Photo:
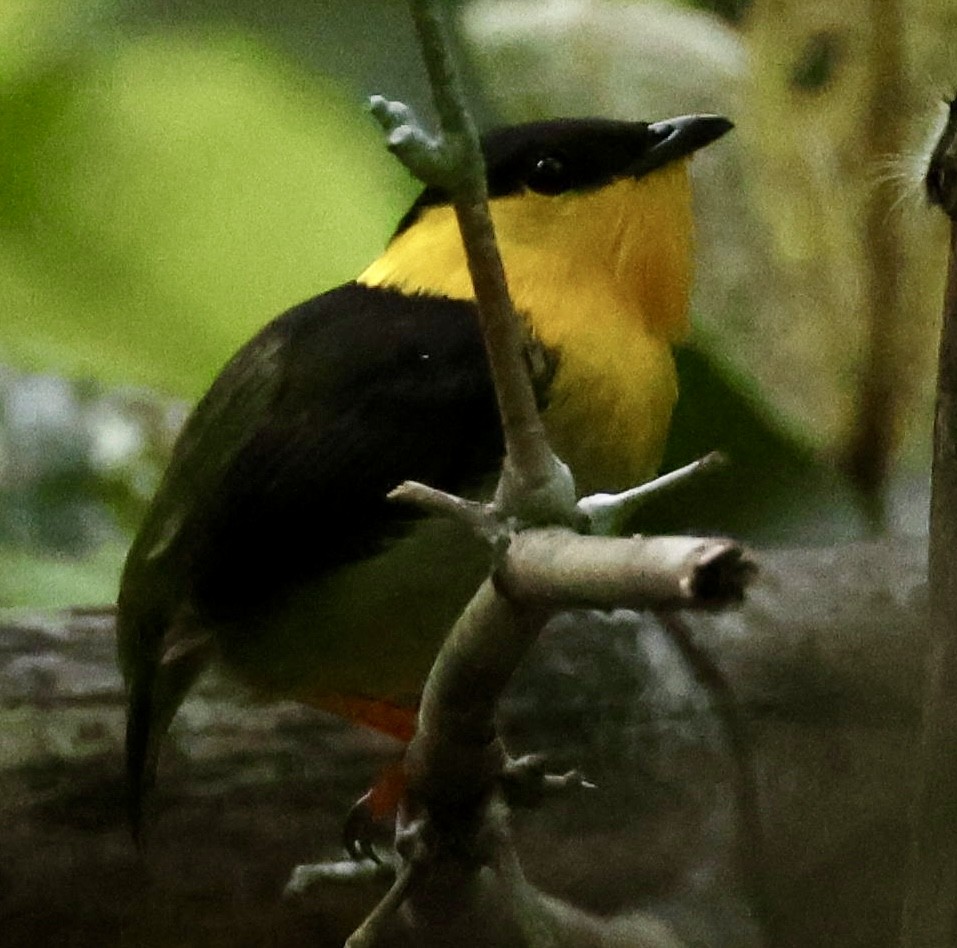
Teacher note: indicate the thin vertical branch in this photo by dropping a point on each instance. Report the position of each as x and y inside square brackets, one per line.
[930, 899]
[880, 383]
[529, 458]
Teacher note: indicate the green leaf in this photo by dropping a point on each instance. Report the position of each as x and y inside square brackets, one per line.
[158, 203]
[773, 490]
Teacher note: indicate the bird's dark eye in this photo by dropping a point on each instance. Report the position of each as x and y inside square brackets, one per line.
[550, 175]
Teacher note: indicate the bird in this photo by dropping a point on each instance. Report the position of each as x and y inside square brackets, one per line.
[270, 546]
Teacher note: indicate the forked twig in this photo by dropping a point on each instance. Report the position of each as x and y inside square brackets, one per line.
[455, 763]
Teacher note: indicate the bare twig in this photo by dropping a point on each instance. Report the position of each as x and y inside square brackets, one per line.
[930, 904]
[482, 518]
[526, 781]
[881, 379]
[455, 747]
[606, 513]
[535, 485]
[339, 871]
[370, 931]
[554, 567]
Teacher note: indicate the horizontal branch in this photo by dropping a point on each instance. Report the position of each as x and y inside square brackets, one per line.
[542, 571]
[555, 567]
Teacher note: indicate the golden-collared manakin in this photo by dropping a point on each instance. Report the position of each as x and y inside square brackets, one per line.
[270, 544]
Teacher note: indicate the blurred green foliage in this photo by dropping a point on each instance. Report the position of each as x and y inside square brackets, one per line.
[732, 10]
[159, 201]
[162, 194]
[175, 172]
[773, 489]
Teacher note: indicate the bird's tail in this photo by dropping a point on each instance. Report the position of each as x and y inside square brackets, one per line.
[141, 751]
[160, 665]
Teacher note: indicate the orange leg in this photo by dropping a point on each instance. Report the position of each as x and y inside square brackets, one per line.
[395, 720]
[382, 800]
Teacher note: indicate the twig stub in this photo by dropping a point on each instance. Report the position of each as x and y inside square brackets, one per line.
[555, 568]
[607, 513]
[721, 574]
[432, 160]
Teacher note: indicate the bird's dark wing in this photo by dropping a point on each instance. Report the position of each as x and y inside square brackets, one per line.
[282, 471]
[283, 468]
[377, 388]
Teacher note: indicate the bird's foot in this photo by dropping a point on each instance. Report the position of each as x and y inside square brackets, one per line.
[360, 831]
[372, 816]
[370, 820]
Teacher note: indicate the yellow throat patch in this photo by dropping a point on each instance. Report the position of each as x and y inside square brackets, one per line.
[603, 278]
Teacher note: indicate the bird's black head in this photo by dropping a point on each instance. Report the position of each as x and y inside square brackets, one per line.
[560, 155]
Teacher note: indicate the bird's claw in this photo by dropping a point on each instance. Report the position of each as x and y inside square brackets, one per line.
[359, 829]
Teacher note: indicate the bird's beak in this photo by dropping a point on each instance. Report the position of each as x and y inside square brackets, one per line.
[677, 137]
